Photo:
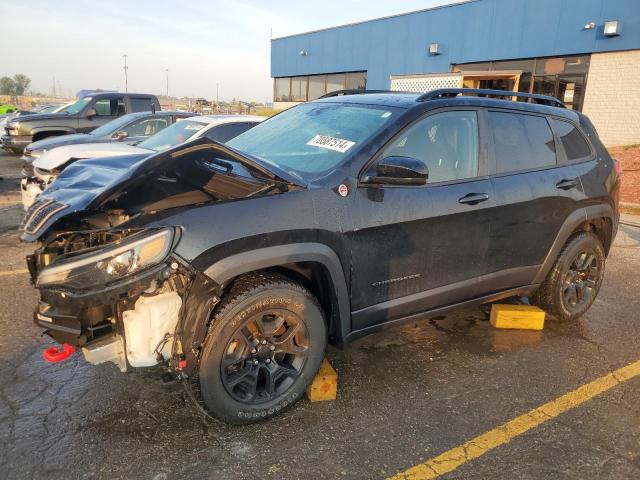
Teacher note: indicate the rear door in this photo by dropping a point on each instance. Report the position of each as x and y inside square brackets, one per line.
[418, 247]
[534, 194]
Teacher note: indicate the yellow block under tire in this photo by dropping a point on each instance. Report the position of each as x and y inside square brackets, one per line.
[550, 296]
[250, 296]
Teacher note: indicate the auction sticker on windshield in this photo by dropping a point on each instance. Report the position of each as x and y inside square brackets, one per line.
[331, 143]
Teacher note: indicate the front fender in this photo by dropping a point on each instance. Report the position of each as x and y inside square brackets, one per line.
[224, 270]
[207, 287]
[61, 130]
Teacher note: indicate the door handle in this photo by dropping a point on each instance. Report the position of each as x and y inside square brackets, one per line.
[566, 184]
[473, 198]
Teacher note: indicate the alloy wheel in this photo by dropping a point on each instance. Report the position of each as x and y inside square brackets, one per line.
[580, 281]
[265, 356]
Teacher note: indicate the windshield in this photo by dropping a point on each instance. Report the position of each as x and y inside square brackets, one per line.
[62, 108]
[48, 109]
[78, 106]
[113, 126]
[313, 138]
[179, 132]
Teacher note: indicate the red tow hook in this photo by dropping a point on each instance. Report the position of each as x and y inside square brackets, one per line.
[54, 355]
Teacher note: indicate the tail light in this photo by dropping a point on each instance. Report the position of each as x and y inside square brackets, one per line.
[617, 166]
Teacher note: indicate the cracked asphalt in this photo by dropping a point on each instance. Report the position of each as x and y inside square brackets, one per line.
[405, 395]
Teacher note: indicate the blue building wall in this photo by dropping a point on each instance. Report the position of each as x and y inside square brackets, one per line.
[478, 30]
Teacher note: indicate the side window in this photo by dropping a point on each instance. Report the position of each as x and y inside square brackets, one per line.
[141, 104]
[109, 107]
[522, 142]
[574, 144]
[146, 127]
[447, 142]
[224, 133]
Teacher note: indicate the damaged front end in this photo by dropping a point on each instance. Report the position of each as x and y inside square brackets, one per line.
[109, 278]
[116, 294]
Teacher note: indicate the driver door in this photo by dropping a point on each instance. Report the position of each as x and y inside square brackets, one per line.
[420, 247]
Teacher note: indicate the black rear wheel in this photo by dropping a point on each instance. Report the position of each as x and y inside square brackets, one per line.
[575, 279]
[265, 344]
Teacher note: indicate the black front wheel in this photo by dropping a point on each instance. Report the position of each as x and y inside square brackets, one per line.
[265, 344]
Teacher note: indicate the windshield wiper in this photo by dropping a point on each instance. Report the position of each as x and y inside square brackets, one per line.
[266, 169]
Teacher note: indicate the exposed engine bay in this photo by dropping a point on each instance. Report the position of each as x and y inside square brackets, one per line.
[109, 280]
[130, 322]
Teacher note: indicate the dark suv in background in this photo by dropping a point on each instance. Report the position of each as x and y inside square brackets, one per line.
[236, 263]
[85, 115]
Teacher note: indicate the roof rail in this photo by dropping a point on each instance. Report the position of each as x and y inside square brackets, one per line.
[481, 92]
[339, 93]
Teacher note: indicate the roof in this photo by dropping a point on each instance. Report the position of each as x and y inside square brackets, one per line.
[410, 100]
[403, 100]
[220, 119]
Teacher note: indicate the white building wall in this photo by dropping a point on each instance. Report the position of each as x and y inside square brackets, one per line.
[612, 98]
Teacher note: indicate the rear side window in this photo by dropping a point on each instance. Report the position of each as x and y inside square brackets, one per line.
[141, 104]
[522, 142]
[109, 107]
[574, 144]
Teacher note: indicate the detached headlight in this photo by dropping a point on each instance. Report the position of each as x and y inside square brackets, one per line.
[114, 262]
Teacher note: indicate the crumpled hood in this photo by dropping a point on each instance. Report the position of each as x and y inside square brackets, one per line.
[90, 184]
[79, 184]
[59, 156]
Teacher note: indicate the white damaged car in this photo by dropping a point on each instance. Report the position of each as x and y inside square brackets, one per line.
[220, 128]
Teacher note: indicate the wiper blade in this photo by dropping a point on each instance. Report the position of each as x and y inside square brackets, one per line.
[262, 167]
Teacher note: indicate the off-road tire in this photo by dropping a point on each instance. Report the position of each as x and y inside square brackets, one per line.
[551, 297]
[250, 295]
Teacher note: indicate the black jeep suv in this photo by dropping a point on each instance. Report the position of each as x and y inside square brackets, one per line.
[236, 263]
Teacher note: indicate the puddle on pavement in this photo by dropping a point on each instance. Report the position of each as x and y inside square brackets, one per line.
[466, 330]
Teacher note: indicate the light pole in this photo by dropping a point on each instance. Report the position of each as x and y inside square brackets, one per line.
[166, 71]
[126, 82]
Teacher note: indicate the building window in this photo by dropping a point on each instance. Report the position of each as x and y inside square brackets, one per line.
[561, 77]
[282, 89]
[317, 86]
[302, 89]
[356, 81]
[298, 89]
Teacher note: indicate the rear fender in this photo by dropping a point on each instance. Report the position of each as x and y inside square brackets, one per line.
[569, 226]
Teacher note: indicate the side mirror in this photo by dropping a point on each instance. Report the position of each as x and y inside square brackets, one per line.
[398, 171]
[91, 113]
[119, 136]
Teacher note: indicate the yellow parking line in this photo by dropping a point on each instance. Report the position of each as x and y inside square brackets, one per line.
[13, 272]
[10, 202]
[474, 448]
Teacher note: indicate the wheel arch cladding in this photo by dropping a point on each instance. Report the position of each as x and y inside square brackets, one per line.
[597, 218]
[315, 265]
[295, 259]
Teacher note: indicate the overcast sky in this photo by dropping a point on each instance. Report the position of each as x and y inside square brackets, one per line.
[81, 42]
